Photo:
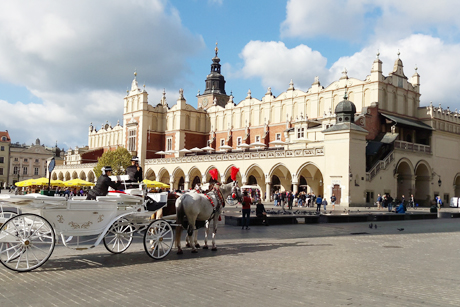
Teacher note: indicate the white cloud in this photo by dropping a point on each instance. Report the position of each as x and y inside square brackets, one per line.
[356, 19]
[437, 62]
[276, 65]
[77, 55]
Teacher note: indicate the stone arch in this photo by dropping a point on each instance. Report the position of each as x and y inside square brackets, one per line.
[61, 176]
[422, 183]
[258, 177]
[74, 175]
[195, 177]
[54, 176]
[91, 176]
[284, 174]
[82, 175]
[163, 176]
[313, 176]
[457, 185]
[404, 175]
[178, 174]
[150, 175]
[67, 176]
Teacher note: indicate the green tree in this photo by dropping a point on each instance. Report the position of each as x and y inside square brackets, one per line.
[118, 159]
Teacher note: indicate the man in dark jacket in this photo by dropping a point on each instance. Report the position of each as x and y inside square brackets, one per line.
[103, 184]
[134, 171]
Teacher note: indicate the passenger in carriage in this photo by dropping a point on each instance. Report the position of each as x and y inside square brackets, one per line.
[103, 184]
[134, 171]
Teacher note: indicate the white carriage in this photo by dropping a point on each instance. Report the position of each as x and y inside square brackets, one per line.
[27, 240]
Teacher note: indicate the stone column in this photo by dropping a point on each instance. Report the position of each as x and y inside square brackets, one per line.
[295, 184]
[187, 182]
[171, 183]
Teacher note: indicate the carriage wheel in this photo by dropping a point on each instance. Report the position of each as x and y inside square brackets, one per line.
[26, 242]
[119, 236]
[6, 215]
[158, 239]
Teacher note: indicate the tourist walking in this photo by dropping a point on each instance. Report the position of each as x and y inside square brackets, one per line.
[246, 210]
[318, 201]
[324, 203]
[412, 201]
[379, 201]
[283, 199]
[290, 199]
[333, 200]
[277, 198]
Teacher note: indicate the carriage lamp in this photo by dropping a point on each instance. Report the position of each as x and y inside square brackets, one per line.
[439, 181]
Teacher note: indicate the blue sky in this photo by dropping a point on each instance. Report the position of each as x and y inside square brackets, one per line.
[64, 65]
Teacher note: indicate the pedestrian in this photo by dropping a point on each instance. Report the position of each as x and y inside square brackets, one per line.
[333, 200]
[290, 199]
[438, 202]
[379, 201]
[283, 199]
[318, 201]
[389, 202]
[277, 198]
[324, 203]
[246, 210]
[308, 200]
[412, 201]
[261, 213]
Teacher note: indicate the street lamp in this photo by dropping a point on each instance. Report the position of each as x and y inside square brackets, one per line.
[439, 181]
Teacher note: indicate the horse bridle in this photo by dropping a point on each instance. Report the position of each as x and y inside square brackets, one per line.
[237, 195]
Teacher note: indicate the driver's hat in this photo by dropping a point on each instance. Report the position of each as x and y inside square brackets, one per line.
[106, 169]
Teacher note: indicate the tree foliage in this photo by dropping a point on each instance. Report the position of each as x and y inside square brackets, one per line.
[118, 159]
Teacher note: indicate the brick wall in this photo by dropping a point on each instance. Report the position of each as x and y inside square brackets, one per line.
[157, 143]
[92, 156]
[193, 140]
[372, 123]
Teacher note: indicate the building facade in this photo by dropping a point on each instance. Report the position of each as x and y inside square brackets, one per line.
[354, 138]
[5, 142]
[30, 161]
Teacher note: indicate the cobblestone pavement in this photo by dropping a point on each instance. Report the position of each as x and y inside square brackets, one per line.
[286, 265]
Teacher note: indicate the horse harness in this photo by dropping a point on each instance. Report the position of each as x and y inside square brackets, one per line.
[220, 198]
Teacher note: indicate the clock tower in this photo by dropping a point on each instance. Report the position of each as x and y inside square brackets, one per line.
[215, 87]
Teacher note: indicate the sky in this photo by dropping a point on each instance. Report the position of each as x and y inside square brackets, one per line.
[66, 64]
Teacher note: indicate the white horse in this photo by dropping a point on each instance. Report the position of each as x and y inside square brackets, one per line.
[202, 208]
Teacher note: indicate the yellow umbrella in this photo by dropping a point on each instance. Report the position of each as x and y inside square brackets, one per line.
[24, 183]
[39, 181]
[155, 184]
[78, 183]
[57, 183]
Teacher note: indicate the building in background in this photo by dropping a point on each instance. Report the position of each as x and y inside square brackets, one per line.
[30, 161]
[354, 138]
[5, 142]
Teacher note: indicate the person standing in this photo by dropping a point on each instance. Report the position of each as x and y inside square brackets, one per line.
[318, 201]
[333, 200]
[412, 201]
[379, 201]
[134, 171]
[290, 199]
[246, 210]
[389, 202]
[324, 203]
[438, 202]
[277, 198]
[283, 199]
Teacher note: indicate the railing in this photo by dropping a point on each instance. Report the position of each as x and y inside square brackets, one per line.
[382, 164]
[245, 155]
[412, 147]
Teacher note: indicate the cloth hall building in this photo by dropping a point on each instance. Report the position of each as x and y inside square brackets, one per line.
[354, 138]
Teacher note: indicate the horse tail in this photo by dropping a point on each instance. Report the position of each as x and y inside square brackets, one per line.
[180, 213]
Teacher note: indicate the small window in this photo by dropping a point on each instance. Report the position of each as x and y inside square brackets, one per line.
[26, 160]
[16, 170]
[36, 160]
[24, 170]
[2, 148]
[36, 171]
[238, 141]
[257, 138]
[1, 170]
[168, 144]
[3, 138]
[300, 133]
[16, 159]
[222, 142]
[278, 136]
[2, 159]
